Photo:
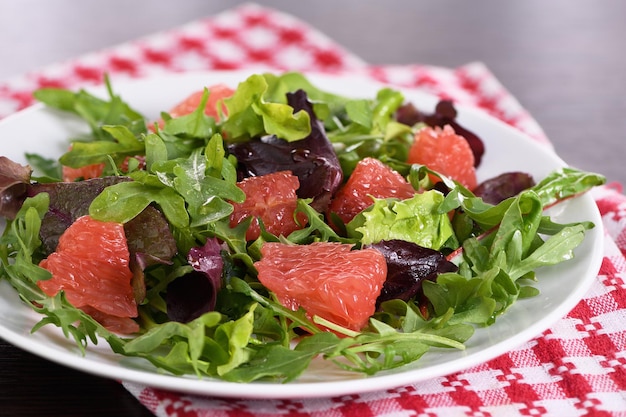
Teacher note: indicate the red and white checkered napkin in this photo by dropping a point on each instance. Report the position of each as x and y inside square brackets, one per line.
[576, 368]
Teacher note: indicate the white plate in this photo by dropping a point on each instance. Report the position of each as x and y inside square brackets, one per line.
[45, 131]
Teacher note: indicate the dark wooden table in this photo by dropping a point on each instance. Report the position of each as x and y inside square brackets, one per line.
[564, 61]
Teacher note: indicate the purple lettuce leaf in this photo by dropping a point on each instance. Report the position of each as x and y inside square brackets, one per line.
[150, 242]
[68, 202]
[14, 185]
[195, 293]
[149, 238]
[408, 265]
[509, 184]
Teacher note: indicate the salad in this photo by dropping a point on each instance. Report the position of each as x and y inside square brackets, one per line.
[250, 230]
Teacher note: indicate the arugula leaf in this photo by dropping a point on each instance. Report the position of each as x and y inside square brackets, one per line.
[156, 150]
[564, 183]
[20, 243]
[520, 221]
[195, 124]
[275, 361]
[191, 352]
[556, 249]
[385, 347]
[50, 169]
[386, 103]
[235, 336]
[124, 201]
[488, 280]
[316, 229]
[95, 111]
[85, 153]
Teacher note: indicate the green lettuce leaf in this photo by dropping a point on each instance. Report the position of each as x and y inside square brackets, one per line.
[250, 115]
[416, 220]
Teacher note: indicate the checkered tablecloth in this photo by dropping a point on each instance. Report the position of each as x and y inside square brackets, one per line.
[575, 368]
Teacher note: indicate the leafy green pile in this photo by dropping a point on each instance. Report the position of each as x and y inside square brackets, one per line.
[191, 177]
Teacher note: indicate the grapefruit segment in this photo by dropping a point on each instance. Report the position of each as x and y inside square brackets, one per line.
[442, 150]
[121, 325]
[91, 265]
[370, 178]
[273, 199]
[83, 173]
[217, 93]
[329, 280]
